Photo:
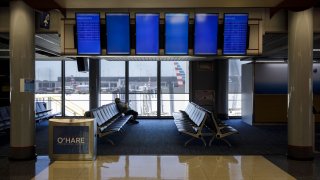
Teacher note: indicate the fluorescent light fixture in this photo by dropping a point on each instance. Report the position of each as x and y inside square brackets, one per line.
[316, 50]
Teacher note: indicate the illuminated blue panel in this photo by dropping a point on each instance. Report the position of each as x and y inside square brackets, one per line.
[147, 34]
[206, 34]
[235, 34]
[88, 33]
[118, 33]
[177, 34]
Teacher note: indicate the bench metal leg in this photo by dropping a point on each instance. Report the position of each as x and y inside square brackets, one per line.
[185, 144]
[211, 140]
[204, 142]
[110, 141]
[227, 142]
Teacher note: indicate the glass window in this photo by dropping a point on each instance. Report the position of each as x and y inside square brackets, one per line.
[48, 84]
[174, 86]
[112, 81]
[234, 92]
[143, 87]
[76, 90]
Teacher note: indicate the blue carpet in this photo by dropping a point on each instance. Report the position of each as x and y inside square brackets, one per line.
[160, 137]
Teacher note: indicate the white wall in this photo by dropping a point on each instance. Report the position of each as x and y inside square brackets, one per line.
[247, 93]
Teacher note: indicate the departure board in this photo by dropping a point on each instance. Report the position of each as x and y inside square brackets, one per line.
[235, 34]
[118, 33]
[206, 34]
[176, 35]
[147, 34]
[88, 33]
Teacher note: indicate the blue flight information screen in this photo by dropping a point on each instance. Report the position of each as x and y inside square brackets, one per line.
[176, 37]
[235, 34]
[88, 33]
[206, 34]
[147, 34]
[118, 33]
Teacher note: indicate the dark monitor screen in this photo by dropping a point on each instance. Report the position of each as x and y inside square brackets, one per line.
[176, 34]
[88, 33]
[235, 34]
[206, 34]
[82, 64]
[118, 33]
[147, 34]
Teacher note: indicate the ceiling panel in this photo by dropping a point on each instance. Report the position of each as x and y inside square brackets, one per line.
[275, 45]
[48, 44]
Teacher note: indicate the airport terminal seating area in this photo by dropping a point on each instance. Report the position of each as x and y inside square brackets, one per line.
[109, 120]
[41, 114]
[199, 122]
[4, 118]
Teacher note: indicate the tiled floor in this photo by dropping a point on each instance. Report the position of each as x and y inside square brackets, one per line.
[302, 170]
[146, 167]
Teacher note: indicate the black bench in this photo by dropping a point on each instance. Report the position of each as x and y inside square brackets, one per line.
[191, 122]
[109, 120]
[4, 118]
[219, 129]
[42, 113]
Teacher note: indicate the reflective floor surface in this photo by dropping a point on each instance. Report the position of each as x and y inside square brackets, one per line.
[146, 167]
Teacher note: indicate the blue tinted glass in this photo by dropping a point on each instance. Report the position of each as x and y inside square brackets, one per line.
[235, 34]
[118, 33]
[88, 33]
[147, 33]
[206, 34]
[177, 33]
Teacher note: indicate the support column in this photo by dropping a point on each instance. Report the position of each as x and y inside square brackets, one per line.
[300, 95]
[127, 82]
[159, 109]
[22, 63]
[222, 94]
[94, 83]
